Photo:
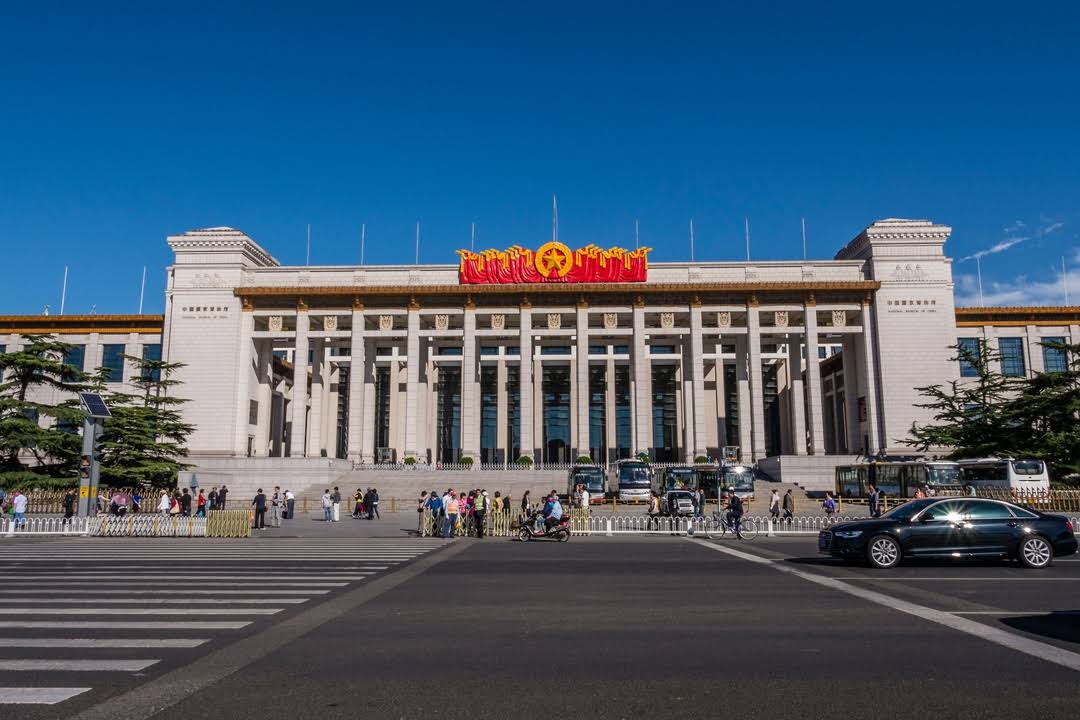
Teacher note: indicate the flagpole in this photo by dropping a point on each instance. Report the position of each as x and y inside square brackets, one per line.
[637, 235]
[472, 239]
[142, 291]
[746, 225]
[63, 291]
[978, 271]
[554, 218]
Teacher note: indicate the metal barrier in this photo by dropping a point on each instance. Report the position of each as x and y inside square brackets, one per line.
[228, 524]
[582, 523]
[37, 526]
[496, 524]
[147, 526]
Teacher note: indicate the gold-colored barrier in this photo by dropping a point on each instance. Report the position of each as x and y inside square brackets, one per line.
[228, 524]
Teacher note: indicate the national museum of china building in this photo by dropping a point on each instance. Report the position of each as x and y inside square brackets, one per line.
[555, 353]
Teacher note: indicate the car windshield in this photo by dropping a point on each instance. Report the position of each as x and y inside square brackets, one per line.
[634, 476]
[740, 478]
[908, 509]
[1027, 467]
[943, 474]
[680, 479]
[591, 478]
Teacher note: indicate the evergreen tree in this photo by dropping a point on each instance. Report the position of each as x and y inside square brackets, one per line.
[144, 441]
[971, 415]
[33, 455]
[1044, 415]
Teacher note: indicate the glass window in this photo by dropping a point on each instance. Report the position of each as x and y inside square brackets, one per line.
[943, 510]
[598, 349]
[448, 415]
[112, 359]
[622, 349]
[554, 349]
[489, 350]
[153, 353]
[1027, 467]
[985, 510]
[454, 350]
[512, 350]
[821, 352]
[597, 414]
[1054, 359]
[969, 356]
[76, 356]
[623, 416]
[513, 412]
[662, 349]
[489, 413]
[1012, 356]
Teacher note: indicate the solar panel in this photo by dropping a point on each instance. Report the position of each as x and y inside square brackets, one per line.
[93, 404]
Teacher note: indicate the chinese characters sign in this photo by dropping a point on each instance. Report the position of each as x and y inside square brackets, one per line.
[554, 262]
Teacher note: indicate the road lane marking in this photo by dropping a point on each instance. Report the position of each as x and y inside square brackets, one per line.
[104, 576]
[1016, 612]
[122, 625]
[157, 583]
[137, 611]
[1043, 651]
[959, 579]
[38, 696]
[160, 601]
[186, 591]
[10, 642]
[76, 665]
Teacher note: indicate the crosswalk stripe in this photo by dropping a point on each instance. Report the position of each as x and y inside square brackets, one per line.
[235, 576]
[162, 601]
[77, 665]
[186, 591]
[92, 643]
[157, 583]
[122, 625]
[136, 611]
[38, 695]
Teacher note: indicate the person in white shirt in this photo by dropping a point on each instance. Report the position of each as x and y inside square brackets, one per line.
[327, 507]
[164, 503]
[18, 504]
[290, 504]
[585, 497]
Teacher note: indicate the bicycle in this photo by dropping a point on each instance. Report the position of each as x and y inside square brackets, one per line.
[744, 528]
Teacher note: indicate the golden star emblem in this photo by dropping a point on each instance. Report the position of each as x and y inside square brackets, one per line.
[554, 259]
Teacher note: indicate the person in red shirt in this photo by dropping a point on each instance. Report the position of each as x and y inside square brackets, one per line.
[200, 504]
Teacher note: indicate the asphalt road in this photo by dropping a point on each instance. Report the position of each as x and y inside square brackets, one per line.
[625, 628]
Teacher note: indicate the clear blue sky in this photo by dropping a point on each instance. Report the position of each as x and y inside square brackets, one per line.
[123, 123]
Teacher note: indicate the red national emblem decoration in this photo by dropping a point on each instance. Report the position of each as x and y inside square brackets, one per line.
[553, 262]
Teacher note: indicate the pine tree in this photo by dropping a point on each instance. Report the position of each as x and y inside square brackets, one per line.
[971, 415]
[144, 441]
[32, 455]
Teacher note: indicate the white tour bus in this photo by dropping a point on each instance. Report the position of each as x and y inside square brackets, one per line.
[1020, 476]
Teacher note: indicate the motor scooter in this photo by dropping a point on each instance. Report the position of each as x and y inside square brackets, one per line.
[529, 529]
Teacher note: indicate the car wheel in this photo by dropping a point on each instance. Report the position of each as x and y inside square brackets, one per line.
[883, 552]
[1035, 552]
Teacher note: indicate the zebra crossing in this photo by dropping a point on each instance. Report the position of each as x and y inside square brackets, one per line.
[86, 616]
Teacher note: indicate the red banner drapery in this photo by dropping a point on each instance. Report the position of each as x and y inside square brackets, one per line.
[554, 262]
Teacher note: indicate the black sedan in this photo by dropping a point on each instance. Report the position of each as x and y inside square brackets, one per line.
[952, 528]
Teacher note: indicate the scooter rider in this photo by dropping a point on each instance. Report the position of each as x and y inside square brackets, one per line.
[552, 512]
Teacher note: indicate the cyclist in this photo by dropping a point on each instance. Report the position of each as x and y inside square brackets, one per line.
[734, 510]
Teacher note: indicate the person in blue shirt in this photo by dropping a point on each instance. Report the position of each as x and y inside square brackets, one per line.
[434, 504]
[552, 512]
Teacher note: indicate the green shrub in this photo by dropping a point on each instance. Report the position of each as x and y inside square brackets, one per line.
[701, 459]
[643, 457]
[409, 461]
[583, 460]
[467, 460]
[524, 460]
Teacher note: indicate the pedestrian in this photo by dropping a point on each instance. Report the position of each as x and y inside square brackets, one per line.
[451, 514]
[18, 507]
[222, 498]
[136, 500]
[327, 506]
[969, 490]
[434, 504]
[525, 505]
[358, 503]
[421, 504]
[185, 503]
[69, 505]
[212, 498]
[497, 502]
[828, 505]
[774, 506]
[290, 504]
[335, 498]
[275, 507]
[507, 503]
[375, 502]
[164, 504]
[200, 504]
[789, 506]
[654, 510]
[919, 494]
[874, 500]
[174, 505]
[585, 498]
[259, 503]
[480, 512]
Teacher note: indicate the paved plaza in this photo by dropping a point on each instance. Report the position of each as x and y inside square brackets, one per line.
[603, 627]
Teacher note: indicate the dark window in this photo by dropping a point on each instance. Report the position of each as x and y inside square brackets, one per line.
[556, 399]
[663, 349]
[975, 510]
[449, 414]
[598, 413]
[455, 350]
[1012, 356]
[513, 411]
[943, 510]
[489, 413]
[622, 349]
[1054, 359]
[554, 349]
[598, 349]
[731, 405]
[489, 350]
[76, 356]
[665, 420]
[821, 352]
[382, 407]
[727, 349]
[153, 353]
[253, 412]
[623, 416]
[969, 356]
[512, 350]
[112, 359]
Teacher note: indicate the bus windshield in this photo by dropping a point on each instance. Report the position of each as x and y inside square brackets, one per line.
[680, 479]
[739, 477]
[943, 474]
[592, 478]
[634, 475]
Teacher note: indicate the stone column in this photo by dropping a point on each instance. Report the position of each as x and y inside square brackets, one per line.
[525, 380]
[582, 391]
[315, 417]
[757, 395]
[243, 381]
[876, 442]
[642, 380]
[298, 433]
[742, 379]
[697, 383]
[798, 395]
[357, 368]
[813, 380]
[412, 381]
[367, 368]
[265, 367]
[470, 387]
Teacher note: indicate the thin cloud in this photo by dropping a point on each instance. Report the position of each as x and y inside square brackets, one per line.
[1022, 291]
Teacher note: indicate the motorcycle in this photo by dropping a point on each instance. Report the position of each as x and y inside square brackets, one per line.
[529, 530]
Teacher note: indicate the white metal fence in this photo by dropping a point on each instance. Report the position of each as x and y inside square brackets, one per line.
[106, 526]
